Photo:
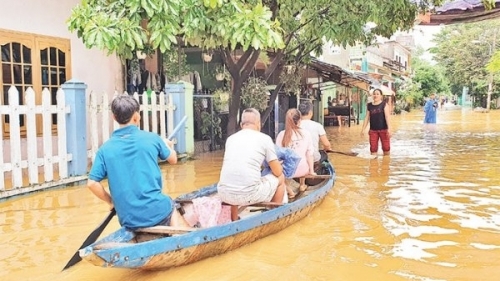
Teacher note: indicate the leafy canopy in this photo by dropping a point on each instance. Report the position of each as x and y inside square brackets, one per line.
[465, 49]
[427, 79]
[124, 26]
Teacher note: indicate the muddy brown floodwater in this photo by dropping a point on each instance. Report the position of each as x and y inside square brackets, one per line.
[430, 211]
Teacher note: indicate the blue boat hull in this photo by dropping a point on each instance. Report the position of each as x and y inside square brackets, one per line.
[122, 248]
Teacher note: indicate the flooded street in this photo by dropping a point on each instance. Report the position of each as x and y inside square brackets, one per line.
[430, 211]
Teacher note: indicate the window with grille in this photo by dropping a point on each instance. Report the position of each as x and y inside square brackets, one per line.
[31, 60]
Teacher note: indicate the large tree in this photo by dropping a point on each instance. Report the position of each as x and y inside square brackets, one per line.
[290, 29]
[464, 50]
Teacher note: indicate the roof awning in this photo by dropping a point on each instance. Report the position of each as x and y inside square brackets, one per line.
[460, 11]
[334, 73]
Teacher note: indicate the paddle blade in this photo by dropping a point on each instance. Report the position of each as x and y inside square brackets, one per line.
[90, 239]
[343, 153]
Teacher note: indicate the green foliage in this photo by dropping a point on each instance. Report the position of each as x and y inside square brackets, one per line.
[122, 27]
[291, 78]
[291, 29]
[210, 122]
[175, 64]
[221, 99]
[427, 79]
[221, 73]
[431, 79]
[255, 94]
[494, 63]
[464, 50]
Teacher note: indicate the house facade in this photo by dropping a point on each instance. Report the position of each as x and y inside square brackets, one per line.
[387, 62]
[39, 51]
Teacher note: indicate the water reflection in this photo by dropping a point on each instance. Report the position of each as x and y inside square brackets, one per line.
[430, 211]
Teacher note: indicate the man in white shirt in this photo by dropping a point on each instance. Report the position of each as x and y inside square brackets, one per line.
[241, 183]
[317, 131]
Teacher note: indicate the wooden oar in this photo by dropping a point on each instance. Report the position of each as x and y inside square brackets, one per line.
[342, 152]
[97, 232]
[355, 154]
[90, 239]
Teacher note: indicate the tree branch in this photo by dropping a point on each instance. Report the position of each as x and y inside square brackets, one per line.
[276, 61]
[228, 60]
[306, 53]
[272, 98]
[250, 64]
[274, 7]
[244, 58]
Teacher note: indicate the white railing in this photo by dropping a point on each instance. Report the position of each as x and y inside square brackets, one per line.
[157, 115]
[27, 154]
[34, 155]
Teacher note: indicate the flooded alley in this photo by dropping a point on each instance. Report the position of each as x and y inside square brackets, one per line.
[430, 211]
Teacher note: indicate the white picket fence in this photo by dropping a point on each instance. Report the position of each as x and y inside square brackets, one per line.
[157, 115]
[28, 161]
[31, 161]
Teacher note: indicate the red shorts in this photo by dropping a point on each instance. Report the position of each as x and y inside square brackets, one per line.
[383, 135]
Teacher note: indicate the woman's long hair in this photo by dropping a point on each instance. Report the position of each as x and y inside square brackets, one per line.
[291, 126]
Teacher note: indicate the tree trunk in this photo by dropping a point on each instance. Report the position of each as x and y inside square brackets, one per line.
[272, 99]
[274, 67]
[240, 70]
[234, 106]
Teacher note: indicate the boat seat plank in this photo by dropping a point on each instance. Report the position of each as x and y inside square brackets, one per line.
[163, 229]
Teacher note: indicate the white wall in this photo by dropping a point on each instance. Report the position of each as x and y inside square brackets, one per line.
[48, 17]
[336, 55]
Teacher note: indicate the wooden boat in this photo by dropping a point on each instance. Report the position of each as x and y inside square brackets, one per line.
[153, 249]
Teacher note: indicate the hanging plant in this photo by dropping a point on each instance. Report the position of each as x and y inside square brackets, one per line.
[255, 94]
[291, 78]
[220, 99]
[175, 64]
[221, 73]
[207, 56]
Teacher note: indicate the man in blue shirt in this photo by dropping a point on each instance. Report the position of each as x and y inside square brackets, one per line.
[129, 160]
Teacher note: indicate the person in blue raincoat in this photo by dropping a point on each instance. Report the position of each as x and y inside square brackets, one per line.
[430, 109]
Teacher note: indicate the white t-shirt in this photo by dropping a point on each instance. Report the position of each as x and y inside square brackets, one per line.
[316, 130]
[244, 155]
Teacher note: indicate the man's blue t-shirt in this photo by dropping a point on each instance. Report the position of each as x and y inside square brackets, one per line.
[129, 159]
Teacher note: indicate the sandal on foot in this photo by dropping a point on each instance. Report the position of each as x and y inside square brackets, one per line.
[291, 195]
[303, 188]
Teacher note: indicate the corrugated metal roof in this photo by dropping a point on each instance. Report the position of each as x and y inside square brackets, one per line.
[460, 11]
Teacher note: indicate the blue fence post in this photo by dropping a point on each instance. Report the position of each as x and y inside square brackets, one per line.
[76, 126]
[182, 96]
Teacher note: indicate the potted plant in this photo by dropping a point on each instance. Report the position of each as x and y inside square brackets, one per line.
[220, 100]
[221, 73]
[290, 77]
[254, 94]
[210, 130]
[207, 56]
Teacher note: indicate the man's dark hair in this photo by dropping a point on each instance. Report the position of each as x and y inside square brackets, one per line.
[305, 107]
[123, 108]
